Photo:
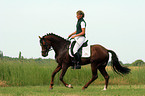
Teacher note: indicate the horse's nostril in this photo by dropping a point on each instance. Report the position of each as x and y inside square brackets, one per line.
[44, 54]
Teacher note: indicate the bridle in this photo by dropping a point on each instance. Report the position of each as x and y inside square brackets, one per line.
[46, 46]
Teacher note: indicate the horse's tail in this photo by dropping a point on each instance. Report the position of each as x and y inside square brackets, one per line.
[116, 65]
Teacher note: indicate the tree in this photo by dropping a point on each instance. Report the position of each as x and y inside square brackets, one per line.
[1, 54]
[20, 55]
[138, 63]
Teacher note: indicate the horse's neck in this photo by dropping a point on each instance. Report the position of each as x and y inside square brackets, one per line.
[59, 45]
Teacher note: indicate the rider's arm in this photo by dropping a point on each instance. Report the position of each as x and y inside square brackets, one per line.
[72, 34]
[82, 33]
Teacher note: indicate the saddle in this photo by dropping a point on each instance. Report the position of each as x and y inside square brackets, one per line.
[85, 44]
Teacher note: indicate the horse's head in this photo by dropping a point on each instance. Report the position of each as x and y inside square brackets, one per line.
[54, 41]
[45, 46]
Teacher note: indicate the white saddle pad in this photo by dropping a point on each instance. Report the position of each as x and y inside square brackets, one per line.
[85, 52]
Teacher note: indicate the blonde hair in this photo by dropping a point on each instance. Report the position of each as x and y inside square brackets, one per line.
[80, 12]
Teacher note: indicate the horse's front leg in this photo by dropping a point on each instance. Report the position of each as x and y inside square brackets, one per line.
[58, 68]
[64, 69]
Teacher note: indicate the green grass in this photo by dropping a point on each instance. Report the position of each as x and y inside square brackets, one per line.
[29, 77]
[113, 90]
[34, 72]
[25, 72]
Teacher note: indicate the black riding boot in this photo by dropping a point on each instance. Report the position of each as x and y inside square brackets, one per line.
[78, 61]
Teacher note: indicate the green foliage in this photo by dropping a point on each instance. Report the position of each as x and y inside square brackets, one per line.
[20, 55]
[22, 72]
[1, 54]
[25, 71]
[138, 63]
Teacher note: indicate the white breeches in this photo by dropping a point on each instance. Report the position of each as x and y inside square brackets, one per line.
[79, 42]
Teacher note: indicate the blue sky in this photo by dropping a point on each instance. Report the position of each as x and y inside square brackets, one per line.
[116, 24]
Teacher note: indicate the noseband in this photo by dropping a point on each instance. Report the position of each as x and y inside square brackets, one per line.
[46, 46]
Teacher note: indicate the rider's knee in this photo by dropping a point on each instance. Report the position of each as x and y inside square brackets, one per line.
[75, 50]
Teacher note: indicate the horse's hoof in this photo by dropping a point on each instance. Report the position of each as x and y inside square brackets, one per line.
[50, 88]
[83, 88]
[104, 89]
[69, 86]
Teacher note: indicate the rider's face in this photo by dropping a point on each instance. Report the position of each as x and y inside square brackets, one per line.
[79, 16]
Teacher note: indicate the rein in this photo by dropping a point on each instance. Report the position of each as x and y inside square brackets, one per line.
[46, 45]
[50, 49]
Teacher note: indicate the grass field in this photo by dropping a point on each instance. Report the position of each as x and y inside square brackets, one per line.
[31, 77]
[113, 90]
[37, 72]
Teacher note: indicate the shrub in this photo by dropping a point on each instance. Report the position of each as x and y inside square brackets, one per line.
[138, 63]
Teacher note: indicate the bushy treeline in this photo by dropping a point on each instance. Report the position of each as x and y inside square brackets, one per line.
[22, 72]
[138, 62]
[1, 54]
[135, 63]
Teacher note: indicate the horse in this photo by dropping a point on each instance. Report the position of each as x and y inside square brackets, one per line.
[98, 59]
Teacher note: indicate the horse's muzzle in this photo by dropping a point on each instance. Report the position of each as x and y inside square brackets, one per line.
[44, 54]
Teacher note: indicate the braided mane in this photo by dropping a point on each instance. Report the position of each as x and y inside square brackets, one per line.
[56, 36]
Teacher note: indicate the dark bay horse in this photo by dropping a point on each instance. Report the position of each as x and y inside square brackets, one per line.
[98, 59]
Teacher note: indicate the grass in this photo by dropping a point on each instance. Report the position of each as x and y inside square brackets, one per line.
[113, 90]
[34, 72]
[29, 77]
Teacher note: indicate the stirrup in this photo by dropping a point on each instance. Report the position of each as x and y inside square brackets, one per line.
[72, 67]
[77, 67]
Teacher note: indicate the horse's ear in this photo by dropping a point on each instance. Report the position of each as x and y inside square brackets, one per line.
[39, 37]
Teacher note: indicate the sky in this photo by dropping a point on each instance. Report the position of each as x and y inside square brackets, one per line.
[118, 25]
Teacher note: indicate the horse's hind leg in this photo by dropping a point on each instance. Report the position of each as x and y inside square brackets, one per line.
[94, 75]
[58, 68]
[105, 75]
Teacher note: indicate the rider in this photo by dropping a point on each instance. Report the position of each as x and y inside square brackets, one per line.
[79, 36]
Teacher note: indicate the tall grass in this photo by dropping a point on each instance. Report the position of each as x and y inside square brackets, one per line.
[21, 72]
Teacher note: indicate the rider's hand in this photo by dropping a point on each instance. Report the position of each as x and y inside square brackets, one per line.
[69, 36]
[73, 36]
